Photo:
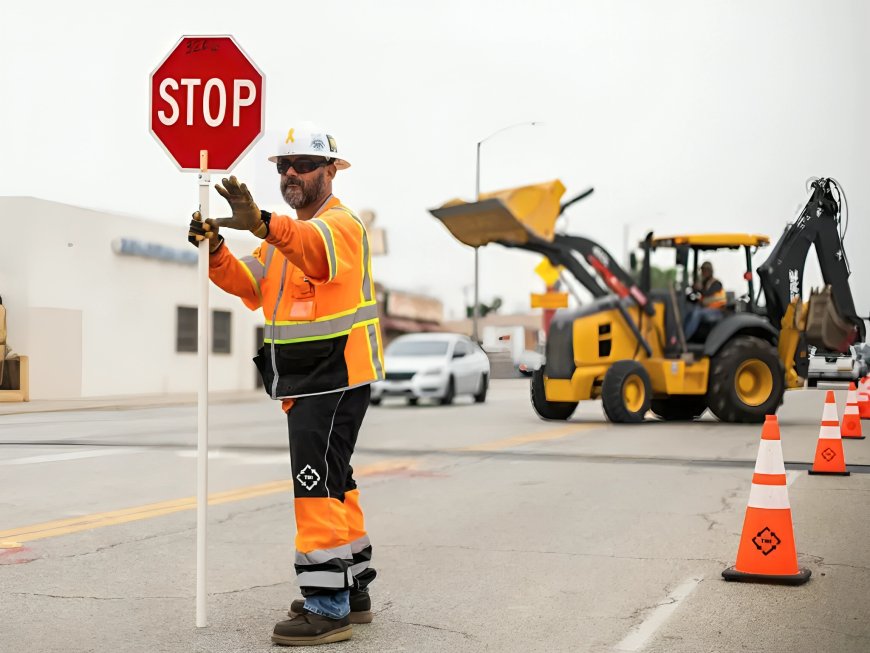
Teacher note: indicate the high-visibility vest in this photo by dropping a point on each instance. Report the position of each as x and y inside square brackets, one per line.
[713, 294]
[321, 334]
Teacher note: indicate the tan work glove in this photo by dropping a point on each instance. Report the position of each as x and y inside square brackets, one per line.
[246, 214]
[199, 231]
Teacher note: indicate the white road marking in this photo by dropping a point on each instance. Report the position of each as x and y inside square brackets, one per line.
[792, 476]
[72, 455]
[640, 634]
[243, 458]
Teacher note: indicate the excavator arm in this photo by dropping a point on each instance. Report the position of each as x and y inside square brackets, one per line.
[833, 322]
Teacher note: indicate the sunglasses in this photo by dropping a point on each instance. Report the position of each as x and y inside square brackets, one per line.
[301, 166]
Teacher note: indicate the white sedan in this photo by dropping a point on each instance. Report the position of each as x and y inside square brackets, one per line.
[433, 366]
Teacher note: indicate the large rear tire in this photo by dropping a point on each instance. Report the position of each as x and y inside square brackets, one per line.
[626, 392]
[555, 410]
[680, 408]
[747, 381]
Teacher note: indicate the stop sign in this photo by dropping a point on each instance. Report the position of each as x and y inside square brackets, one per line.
[207, 95]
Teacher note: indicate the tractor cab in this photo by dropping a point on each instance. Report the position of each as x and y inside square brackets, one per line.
[675, 287]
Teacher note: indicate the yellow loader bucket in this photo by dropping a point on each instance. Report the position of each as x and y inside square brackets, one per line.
[510, 215]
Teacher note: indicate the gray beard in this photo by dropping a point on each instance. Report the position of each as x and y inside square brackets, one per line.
[310, 193]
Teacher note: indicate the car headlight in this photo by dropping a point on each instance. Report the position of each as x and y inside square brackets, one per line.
[435, 371]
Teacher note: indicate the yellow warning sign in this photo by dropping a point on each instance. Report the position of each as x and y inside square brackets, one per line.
[550, 300]
[548, 272]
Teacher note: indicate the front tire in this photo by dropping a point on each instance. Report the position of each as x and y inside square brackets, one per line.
[450, 395]
[747, 381]
[812, 383]
[375, 401]
[626, 392]
[480, 397]
[551, 410]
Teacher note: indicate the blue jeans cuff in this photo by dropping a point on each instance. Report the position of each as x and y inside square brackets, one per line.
[334, 606]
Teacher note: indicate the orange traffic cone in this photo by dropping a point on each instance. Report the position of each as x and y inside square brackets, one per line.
[767, 551]
[851, 425]
[864, 398]
[829, 450]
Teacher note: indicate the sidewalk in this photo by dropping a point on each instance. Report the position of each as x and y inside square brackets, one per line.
[126, 402]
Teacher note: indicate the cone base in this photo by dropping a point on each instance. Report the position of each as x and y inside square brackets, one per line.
[731, 574]
[810, 471]
[853, 437]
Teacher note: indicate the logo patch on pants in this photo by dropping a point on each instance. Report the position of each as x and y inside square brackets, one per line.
[308, 477]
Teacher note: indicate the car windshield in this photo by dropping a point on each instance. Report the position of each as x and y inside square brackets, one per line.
[417, 348]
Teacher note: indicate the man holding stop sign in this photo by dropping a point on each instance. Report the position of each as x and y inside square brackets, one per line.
[312, 278]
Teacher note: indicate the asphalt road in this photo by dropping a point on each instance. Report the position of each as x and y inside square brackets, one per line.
[493, 531]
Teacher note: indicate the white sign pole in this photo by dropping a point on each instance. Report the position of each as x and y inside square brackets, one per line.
[202, 402]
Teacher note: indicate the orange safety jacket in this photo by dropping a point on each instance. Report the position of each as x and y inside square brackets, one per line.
[313, 280]
[713, 294]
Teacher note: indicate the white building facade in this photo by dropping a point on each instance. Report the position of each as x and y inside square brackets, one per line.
[105, 304]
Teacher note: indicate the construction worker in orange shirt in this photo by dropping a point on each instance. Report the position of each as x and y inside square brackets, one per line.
[322, 349]
[709, 299]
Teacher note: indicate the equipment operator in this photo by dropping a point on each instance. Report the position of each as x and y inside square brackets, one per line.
[708, 296]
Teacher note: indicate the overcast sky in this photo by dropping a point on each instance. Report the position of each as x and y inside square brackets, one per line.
[684, 115]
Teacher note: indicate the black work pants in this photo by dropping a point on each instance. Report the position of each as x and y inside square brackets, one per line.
[333, 551]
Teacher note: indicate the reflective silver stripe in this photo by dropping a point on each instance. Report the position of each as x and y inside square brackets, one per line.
[270, 250]
[284, 333]
[320, 556]
[360, 543]
[253, 264]
[274, 393]
[373, 340]
[366, 259]
[359, 567]
[330, 244]
[330, 579]
[367, 263]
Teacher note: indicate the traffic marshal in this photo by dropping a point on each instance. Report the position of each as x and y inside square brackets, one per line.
[207, 95]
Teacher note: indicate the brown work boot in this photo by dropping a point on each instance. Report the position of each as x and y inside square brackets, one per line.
[360, 607]
[309, 629]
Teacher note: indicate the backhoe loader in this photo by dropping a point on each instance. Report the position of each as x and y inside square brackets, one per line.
[627, 346]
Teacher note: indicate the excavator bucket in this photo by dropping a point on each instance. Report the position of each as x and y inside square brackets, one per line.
[826, 329]
[509, 216]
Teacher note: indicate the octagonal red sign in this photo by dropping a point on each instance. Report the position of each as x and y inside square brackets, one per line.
[207, 95]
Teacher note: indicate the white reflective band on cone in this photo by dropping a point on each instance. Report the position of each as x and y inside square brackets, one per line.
[829, 433]
[768, 496]
[769, 459]
[830, 413]
[851, 409]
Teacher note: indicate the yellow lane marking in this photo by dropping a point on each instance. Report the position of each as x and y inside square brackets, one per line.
[98, 520]
[539, 436]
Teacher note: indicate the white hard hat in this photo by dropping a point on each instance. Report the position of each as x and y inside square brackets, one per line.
[308, 138]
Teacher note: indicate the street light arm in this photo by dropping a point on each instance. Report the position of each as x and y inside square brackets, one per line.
[533, 123]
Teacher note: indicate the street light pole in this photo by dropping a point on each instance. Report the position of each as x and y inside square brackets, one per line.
[475, 312]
